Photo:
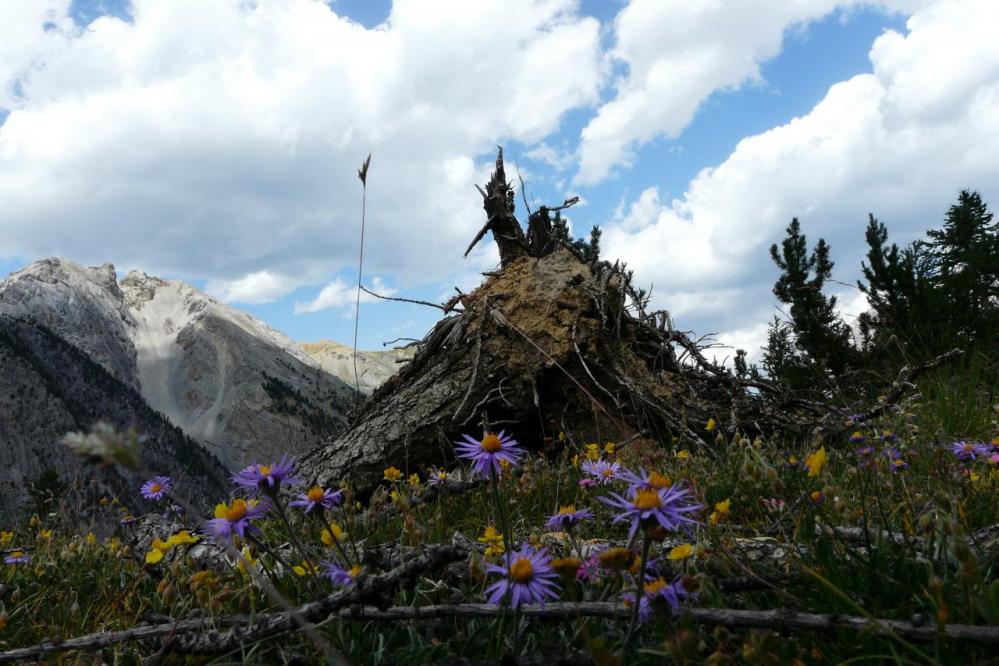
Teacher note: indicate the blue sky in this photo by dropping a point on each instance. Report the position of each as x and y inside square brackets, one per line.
[220, 147]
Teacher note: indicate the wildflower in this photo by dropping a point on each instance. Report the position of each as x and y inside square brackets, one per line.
[267, 478]
[721, 509]
[567, 567]
[337, 533]
[438, 477]
[17, 557]
[888, 436]
[617, 558]
[91, 539]
[203, 579]
[592, 452]
[127, 519]
[683, 455]
[792, 461]
[318, 497]
[303, 569]
[181, 538]
[816, 496]
[644, 479]
[568, 517]
[667, 507]
[44, 535]
[711, 425]
[969, 450]
[895, 461]
[857, 437]
[994, 459]
[681, 552]
[528, 578]
[340, 576]
[609, 448]
[655, 590]
[493, 539]
[156, 488]
[413, 480]
[575, 461]
[601, 470]
[816, 461]
[489, 452]
[158, 548]
[6, 538]
[392, 474]
[774, 505]
[235, 517]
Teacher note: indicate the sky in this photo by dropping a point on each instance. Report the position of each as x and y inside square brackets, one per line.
[218, 141]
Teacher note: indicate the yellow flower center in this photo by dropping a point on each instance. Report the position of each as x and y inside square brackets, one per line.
[658, 481]
[17, 554]
[616, 558]
[355, 571]
[236, 511]
[968, 448]
[646, 499]
[521, 570]
[607, 472]
[155, 488]
[491, 443]
[316, 494]
[567, 509]
[264, 470]
[654, 586]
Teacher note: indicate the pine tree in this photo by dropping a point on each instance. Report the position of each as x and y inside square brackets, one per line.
[818, 331]
[966, 253]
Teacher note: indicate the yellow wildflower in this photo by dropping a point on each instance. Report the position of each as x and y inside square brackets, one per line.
[609, 448]
[723, 507]
[711, 425]
[44, 535]
[683, 455]
[816, 461]
[592, 452]
[414, 480]
[392, 474]
[493, 539]
[681, 552]
[327, 538]
[181, 538]
[91, 539]
[575, 460]
[6, 538]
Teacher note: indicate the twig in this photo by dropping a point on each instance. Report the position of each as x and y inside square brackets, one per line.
[405, 300]
[362, 173]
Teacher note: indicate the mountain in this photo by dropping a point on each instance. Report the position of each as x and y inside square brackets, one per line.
[49, 387]
[233, 384]
[373, 367]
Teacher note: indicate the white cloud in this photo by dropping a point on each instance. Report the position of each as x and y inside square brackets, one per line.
[340, 294]
[220, 140]
[259, 287]
[677, 53]
[900, 142]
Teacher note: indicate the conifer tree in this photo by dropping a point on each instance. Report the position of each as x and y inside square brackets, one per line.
[818, 331]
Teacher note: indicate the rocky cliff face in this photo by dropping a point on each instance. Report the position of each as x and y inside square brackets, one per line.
[226, 378]
[49, 387]
[373, 367]
[230, 382]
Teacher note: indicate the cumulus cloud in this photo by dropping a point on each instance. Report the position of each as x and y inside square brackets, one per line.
[220, 140]
[340, 294]
[900, 142]
[676, 54]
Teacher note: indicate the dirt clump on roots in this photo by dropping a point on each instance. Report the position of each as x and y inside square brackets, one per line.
[551, 342]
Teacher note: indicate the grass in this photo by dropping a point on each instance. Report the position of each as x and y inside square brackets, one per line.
[932, 569]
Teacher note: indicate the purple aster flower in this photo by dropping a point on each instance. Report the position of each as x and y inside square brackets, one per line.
[438, 477]
[587, 483]
[645, 479]
[666, 506]
[489, 451]
[658, 590]
[528, 578]
[320, 497]
[17, 557]
[603, 471]
[889, 436]
[969, 450]
[127, 520]
[235, 518]
[267, 478]
[156, 488]
[567, 518]
[857, 437]
[340, 576]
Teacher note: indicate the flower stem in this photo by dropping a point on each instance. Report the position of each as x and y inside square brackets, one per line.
[639, 589]
[336, 542]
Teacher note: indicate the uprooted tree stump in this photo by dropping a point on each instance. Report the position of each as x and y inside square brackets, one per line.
[551, 341]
